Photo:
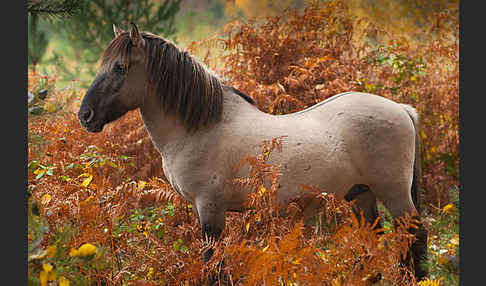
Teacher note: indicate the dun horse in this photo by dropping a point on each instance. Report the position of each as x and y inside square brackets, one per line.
[360, 146]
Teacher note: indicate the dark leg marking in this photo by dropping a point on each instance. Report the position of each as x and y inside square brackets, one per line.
[418, 251]
[364, 200]
[212, 233]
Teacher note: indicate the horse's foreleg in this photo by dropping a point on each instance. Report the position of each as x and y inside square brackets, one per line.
[212, 220]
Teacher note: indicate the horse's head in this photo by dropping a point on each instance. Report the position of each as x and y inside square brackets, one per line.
[121, 82]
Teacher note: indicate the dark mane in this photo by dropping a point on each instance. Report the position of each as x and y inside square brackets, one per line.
[182, 84]
[240, 93]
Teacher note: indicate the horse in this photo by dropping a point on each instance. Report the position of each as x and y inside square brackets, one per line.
[360, 146]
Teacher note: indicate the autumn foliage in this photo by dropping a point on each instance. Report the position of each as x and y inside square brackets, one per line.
[109, 190]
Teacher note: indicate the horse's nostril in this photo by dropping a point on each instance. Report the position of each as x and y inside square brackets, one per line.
[88, 114]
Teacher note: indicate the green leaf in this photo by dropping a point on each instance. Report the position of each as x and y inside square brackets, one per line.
[40, 175]
[184, 248]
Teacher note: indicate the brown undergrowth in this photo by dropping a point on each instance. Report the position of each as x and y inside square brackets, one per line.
[108, 190]
[146, 233]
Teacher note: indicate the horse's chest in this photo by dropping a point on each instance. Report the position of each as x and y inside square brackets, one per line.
[176, 186]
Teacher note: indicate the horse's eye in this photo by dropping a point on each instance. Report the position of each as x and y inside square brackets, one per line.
[119, 68]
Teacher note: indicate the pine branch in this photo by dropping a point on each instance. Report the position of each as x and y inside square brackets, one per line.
[54, 8]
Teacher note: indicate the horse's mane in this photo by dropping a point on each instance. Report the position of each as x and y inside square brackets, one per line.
[181, 82]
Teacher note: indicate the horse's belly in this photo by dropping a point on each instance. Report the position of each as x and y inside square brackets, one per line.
[313, 164]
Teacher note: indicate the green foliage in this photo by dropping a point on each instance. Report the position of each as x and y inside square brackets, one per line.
[80, 39]
[145, 221]
[404, 68]
[37, 40]
[89, 31]
[40, 170]
[94, 158]
[443, 224]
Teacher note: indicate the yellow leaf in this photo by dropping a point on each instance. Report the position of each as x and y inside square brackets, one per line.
[49, 106]
[423, 135]
[88, 199]
[63, 281]
[86, 181]
[52, 275]
[47, 267]
[336, 282]
[449, 207]
[265, 248]
[428, 282]
[297, 261]
[45, 199]
[455, 240]
[51, 251]
[84, 175]
[87, 249]
[73, 252]
[43, 278]
[262, 190]
[247, 226]
[258, 217]
[141, 184]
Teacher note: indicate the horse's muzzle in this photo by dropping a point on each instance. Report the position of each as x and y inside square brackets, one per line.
[85, 117]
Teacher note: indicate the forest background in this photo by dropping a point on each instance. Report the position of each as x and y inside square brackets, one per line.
[101, 212]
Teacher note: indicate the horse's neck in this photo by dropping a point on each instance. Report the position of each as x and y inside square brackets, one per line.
[164, 129]
[168, 133]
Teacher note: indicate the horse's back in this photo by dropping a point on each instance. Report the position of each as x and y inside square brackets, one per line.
[353, 138]
[349, 139]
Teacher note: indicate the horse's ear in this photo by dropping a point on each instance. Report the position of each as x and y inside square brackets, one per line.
[117, 31]
[136, 37]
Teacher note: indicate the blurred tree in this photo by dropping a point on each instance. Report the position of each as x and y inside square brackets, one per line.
[249, 8]
[403, 16]
[85, 35]
[89, 31]
[37, 41]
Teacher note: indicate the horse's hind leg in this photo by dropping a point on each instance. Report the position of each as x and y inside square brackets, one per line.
[363, 201]
[399, 204]
[419, 250]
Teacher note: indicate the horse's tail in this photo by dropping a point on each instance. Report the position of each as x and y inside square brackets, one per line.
[417, 166]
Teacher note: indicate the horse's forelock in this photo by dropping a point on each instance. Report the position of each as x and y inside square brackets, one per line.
[118, 50]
